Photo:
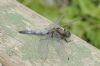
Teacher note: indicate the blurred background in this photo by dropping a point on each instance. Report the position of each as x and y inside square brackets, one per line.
[87, 13]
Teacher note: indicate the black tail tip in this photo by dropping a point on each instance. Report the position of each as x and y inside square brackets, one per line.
[21, 31]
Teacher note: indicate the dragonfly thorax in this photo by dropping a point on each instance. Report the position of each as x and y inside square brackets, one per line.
[59, 33]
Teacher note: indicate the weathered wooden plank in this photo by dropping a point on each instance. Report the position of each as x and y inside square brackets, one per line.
[21, 50]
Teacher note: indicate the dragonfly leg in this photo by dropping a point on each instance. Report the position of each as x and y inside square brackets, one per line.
[67, 40]
[52, 34]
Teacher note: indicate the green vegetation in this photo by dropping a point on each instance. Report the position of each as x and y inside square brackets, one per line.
[88, 27]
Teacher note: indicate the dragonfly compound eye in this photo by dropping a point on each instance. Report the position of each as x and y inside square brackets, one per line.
[68, 34]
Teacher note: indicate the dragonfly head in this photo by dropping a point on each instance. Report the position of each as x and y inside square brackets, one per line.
[67, 34]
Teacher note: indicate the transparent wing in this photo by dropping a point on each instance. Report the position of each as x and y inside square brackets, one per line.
[43, 48]
[60, 49]
[70, 23]
[59, 19]
[56, 24]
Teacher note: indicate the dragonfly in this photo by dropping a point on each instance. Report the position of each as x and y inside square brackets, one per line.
[54, 32]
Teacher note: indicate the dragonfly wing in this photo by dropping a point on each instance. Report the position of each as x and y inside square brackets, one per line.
[43, 49]
[60, 49]
[59, 19]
